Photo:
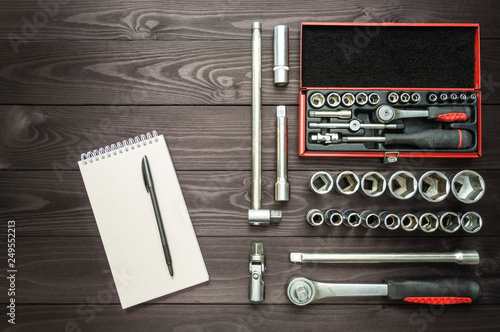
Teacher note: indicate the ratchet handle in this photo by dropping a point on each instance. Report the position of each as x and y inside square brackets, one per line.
[436, 139]
[449, 113]
[434, 291]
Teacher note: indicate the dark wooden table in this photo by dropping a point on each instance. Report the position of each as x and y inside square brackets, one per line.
[77, 75]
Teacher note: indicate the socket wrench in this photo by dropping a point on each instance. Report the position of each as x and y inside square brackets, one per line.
[386, 113]
[281, 187]
[257, 215]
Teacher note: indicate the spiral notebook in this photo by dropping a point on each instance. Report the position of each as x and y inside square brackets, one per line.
[127, 224]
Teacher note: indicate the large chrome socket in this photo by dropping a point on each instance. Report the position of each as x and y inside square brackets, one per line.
[280, 55]
[434, 186]
[403, 185]
[373, 184]
[467, 186]
[347, 183]
[321, 183]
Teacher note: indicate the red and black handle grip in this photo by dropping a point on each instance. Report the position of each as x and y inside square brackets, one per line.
[434, 291]
[449, 113]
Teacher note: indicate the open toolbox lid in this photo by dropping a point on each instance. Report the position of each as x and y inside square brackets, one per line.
[389, 56]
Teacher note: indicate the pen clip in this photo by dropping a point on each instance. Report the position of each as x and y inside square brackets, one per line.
[145, 172]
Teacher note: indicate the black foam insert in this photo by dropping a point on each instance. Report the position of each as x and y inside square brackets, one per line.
[404, 57]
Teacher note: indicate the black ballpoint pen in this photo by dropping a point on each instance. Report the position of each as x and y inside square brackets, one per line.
[148, 181]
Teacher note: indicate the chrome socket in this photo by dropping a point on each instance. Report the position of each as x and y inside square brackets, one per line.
[405, 97]
[463, 97]
[443, 97]
[428, 222]
[350, 218]
[333, 100]
[432, 98]
[369, 219]
[361, 99]
[449, 222]
[373, 184]
[403, 185]
[393, 97]
[314, 217]
[280, 42]
[389, 221]
[434, 186]
[471, 222]
[317, 100]
[409, 222]
[321, 183]
[468, 186]
[347, 183]
[453, 96]
[348, 99]
[415, 97]
[373, 98]
[333, 217]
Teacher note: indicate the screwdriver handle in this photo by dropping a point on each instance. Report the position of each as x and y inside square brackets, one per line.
[434, 291]
[435, 139]
[449, 113]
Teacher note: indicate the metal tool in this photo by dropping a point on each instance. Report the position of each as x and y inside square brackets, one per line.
[317, 100]
[432, 97]
[355, 125]
[463, 97]
[340, 114]
[350, 218]
[468, 186]
[387, 113]
[373, 184]
[257, 215]
[333, 99]
[314, 217]
[369, 219]
[389, 220]
[453, 96]
[434, 186]
[443, 97]
[280, 42]
[428, 222]
[471, 222]
[347, 183]
[321, 183]
[333, 217]
[409, 222]
[460, 257]
[435, 139]
[449, 222]
[405, 97]
[373, 98]
[415, 97]
[393, 97]
[348, 99]
[302, 291]
[281, 187]
[361, 99]
[402, 185]
[257, 269]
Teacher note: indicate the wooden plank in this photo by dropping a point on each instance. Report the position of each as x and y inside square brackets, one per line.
[61, 270]
[248, 317]
[218, 203]
[171, 20]
[161, 73]
[53, 137]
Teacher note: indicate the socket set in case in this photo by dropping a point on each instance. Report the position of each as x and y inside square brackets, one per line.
[347, 108]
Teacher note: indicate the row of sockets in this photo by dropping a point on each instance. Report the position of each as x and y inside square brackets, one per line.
[467, 186]
[449, 222]
[333, 99]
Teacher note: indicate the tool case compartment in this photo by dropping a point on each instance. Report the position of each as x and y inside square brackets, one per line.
[412, 89]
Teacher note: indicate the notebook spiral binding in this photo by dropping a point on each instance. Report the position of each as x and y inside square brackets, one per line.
[120, 147]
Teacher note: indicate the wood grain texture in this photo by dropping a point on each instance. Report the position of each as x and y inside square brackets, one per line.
[247, 318]
[218, 203]
[75, 270]
[172, 20]
[161, 73]
[200, 138]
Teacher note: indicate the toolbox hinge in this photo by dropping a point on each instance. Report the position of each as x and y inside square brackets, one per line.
[391, 157]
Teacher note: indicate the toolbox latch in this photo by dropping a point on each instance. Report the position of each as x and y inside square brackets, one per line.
[391, 157]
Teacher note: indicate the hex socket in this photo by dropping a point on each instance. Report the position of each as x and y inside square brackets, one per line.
[471, 222]
[347, 183]
[373, 184]
[333, 217]
[403, 185]
[389, 221]
[281, 67]
[434, 186]
[314, 217]
[449, 222]
[409, 222]
[369, 219]
[350, 218]
[428, 222]
[321, 183]
[468, 186]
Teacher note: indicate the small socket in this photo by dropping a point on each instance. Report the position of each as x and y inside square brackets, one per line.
[373, 98]
[471, 222]
[443, 97]
[428, 222]
[432, 98]
[415, 97]
[321, 183]
[348, 99]
[449, 222]
[361, 99]
[333, 99]
[369, 219]
[347, 183]
[314, 217]
[403, 185]
[472, 97]
[453, 96]
[333, 217]
[317, 100]
[389, 221]
[405, 97]
[393, 97]
[463, 97]
[468, 186]
[373, 184]
[351, 218]
[434, 186]
[409, 222]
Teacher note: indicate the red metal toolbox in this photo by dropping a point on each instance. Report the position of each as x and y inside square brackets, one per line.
[406, 89]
